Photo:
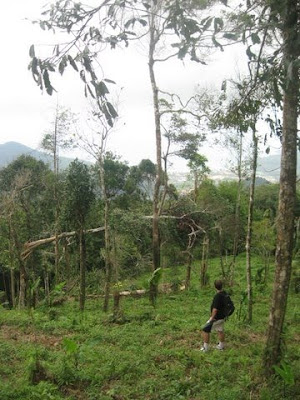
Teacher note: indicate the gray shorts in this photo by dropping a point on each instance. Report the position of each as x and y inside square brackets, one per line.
[217, 326]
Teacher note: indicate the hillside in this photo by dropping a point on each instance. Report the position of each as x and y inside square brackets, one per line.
[11, 150]
[145, 353]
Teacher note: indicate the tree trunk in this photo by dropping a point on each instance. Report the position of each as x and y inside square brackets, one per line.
[116, 308]
[22, 269]
[155, 225]
[205, 246]
[237, 211]
[47, 287]
[108, 262]
[67, 259]
[82, 256]
[12, 287]
[55, 167]
[287, 191]
[221, 248]
[250, 223]
[196, 183]
[22, 290]
[188, 270]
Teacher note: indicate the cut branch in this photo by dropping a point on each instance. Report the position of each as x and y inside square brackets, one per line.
[30, 246]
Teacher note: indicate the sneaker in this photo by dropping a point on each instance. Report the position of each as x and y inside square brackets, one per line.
[219, 347]
[203, 349]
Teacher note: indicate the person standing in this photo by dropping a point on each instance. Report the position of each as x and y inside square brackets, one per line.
[216, 320]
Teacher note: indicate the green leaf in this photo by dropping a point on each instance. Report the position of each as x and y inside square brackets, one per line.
[286, 373]
[87, 63]
[47, 82]
[217, 44]
[112, 110]
[277, 94]
[224, 86]
[218, 24]
[231, 36]
[207, 23]
[250, 54]
[142, 22]
[156, 277]
[182, 52]
[255, 38]
[82, 75]
[102, 89]
[70, 346]
[34, 65]
[72, 62]
[31, 51]
[62, 65]
[107, 115]
[109, 81]
[130, 22]
[90, 91]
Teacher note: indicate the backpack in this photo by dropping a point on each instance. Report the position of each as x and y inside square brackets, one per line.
[228, 305]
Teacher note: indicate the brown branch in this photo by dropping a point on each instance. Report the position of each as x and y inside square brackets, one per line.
[30, 246]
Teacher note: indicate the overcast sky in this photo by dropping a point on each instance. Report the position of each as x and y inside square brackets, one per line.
[26, 113]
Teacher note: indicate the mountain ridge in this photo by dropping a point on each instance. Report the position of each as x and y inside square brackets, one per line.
[268, 166]
[10, 151]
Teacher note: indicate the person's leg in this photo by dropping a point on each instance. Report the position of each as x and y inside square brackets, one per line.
[205, 337]
[221, 344]
[218, 326]
[221, 336]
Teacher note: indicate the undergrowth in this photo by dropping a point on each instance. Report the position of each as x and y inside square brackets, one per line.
[149, 353]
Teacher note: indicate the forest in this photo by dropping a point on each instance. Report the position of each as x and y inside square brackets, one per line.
[108, 270]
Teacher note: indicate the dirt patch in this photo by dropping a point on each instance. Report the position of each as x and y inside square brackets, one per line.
[12, 333]
[77, 390]
[257, 337]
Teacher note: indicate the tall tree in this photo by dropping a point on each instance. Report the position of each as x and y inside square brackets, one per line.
[59, 137]
[79, 197]
[24, 190]
[289, 13]
[116, 23]
[276, 22]
[95, 144]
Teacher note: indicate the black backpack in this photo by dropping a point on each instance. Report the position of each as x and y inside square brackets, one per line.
[228, 305]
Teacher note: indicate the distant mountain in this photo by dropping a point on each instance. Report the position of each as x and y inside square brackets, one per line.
[12, 150]
[268, 166]
[268, 170]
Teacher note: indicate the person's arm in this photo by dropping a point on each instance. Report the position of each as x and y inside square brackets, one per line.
[213, 314]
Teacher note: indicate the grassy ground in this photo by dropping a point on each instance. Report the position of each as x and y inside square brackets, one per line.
[149, 354]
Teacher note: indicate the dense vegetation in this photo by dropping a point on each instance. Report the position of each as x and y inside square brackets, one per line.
[137, 350]
[57, 353]
[95, 231]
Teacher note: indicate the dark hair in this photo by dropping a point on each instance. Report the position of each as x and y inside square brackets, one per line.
[218, 284]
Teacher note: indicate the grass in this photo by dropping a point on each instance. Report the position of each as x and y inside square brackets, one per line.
[150, 354]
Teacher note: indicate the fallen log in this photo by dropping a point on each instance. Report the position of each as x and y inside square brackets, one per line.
[30, 246]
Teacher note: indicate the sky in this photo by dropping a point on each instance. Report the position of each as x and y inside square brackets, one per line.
[26, 113]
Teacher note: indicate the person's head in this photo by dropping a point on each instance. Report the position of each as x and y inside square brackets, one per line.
[218, 284]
